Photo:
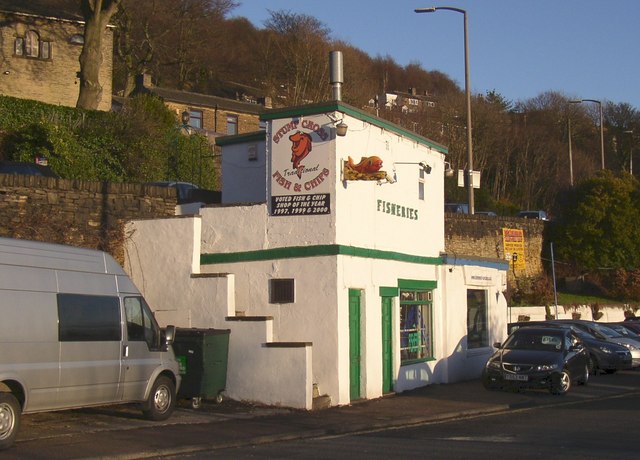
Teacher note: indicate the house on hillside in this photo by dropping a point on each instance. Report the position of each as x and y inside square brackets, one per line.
[327, 262]
[39, 52]
[211, 116]
[407, 102]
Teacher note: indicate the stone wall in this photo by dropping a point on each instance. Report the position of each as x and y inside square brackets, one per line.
[481, 236]
[79, 213]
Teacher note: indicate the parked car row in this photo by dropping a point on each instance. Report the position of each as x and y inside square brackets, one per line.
[463, 208]
[556, 354]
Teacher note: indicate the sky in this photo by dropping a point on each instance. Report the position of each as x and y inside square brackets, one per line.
[584, 49]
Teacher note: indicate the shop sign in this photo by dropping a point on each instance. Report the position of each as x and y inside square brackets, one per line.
[301, 168]
[513, 241]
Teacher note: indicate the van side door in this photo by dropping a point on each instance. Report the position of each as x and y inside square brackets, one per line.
[142, 347]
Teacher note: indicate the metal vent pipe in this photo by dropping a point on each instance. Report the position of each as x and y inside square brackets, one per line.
[335, 74]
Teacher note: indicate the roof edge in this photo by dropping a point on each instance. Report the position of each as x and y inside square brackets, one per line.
[339, 106]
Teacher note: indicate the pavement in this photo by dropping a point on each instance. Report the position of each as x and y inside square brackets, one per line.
[120, 432]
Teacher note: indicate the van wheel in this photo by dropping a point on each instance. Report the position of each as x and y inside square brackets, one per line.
[162, 400]
[10, 413]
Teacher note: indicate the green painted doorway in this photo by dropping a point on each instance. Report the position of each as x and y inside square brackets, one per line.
[354, 344]
[387, 369]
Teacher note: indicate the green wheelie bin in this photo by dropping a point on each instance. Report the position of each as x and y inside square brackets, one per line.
[203, 356]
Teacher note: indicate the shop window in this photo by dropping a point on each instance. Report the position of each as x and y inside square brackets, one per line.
[282, 290]
[416, 326]
[477, 332]
[232, 124]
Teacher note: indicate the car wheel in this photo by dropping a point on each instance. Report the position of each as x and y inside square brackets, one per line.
[488, 383]
[10, 413]
[161, 401]
[593, 366]
[584, 379]
[561, 383]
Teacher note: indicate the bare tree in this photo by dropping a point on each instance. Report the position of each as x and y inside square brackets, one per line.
[97, 14]
[302, 42]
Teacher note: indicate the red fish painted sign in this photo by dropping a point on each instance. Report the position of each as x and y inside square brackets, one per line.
[369, 168]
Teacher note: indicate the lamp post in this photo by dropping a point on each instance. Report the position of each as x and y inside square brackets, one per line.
[630, 132]
[601, 124]
[467, 87]
[570, 153]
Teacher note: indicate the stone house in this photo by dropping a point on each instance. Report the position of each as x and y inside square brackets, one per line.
[40, 46]
[209, 115]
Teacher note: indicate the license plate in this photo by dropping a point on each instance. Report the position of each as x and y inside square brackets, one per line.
[517, 377]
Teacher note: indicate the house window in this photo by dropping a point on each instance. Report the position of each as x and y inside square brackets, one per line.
[416, 326]
[32, 46]
[232, 124]
[477, 332]
[18, 46]
[282, 290]
[195, 118]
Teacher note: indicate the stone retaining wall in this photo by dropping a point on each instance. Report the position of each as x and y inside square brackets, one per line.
[481, 236]
[79, 213]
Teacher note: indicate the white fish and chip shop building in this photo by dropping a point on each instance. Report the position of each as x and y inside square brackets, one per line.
[326, 261]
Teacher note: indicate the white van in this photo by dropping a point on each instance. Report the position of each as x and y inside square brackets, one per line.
[76, 332]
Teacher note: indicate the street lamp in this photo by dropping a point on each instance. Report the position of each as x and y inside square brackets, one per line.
[467, 87]
[601, 124]
[570, 154]
[630, 132]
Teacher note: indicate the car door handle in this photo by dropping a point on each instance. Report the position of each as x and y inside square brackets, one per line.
[125, 351]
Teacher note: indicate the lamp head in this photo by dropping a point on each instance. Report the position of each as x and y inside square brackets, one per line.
[425, 167]
[185, 117]
[341, 129]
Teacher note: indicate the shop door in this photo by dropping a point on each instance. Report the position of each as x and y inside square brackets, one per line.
[387, 370]
[354, 344]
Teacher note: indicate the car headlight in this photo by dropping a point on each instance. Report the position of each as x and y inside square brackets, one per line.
[493, 365]
[546, 367]
[606, 349]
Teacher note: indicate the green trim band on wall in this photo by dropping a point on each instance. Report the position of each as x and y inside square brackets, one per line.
[417, 284]
[389, 291]
[314, 251]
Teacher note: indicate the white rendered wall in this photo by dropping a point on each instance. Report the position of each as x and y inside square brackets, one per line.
[415, 226]
[244, 177]
[161, 257]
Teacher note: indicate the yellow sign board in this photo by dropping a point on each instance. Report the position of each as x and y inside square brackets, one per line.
[513, 240]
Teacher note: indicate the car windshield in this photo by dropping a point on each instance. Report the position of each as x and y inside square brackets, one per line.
[607, 331]
[524, 339]
[623, 331]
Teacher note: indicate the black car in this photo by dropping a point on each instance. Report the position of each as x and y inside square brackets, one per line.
[32, 169]
[604, 355]
[602, 331]
[538, 357]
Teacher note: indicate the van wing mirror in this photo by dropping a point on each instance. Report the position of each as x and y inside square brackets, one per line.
[169, 334]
